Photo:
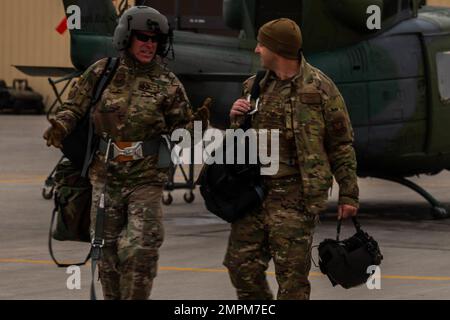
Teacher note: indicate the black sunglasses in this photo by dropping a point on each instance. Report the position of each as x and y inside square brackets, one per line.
[145, 37]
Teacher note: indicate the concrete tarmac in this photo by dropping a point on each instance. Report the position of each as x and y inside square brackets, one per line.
[415, 246]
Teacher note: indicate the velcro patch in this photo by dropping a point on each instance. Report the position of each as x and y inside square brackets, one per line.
[311, 98]
[339, 127]
[119, 79]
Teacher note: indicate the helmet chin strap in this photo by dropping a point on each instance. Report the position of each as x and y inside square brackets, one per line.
[170, 47]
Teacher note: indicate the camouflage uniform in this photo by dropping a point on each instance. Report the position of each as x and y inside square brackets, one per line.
[140, 103]
[315, 143]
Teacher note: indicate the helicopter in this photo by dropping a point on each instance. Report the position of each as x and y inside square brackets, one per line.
[394, 78]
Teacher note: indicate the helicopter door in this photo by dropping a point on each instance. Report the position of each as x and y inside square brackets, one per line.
[438, 62]
[397, 98]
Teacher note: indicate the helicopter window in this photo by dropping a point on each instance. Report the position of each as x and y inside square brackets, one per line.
[200, 16]
[442, 66]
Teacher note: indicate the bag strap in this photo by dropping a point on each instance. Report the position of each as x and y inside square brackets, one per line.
[50, 244]
[355, 223]
[106, 77]
[98, 241]
[256, 88]
[254, 95]
[102, 83]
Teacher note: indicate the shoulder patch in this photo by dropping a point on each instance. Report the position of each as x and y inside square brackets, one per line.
[338, 127]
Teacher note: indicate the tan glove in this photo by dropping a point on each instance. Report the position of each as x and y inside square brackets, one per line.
[202, 114]
[55, 134]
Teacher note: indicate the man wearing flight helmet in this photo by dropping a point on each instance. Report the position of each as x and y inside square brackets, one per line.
[143, 101]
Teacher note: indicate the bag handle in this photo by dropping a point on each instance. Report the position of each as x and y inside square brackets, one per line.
[50, 244]
[355, 223]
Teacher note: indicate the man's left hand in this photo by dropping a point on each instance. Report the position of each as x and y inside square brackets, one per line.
[202, 114]
[346, 211]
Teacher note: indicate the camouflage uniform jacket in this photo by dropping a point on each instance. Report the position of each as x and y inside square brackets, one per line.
[316, 113]
[140, 103]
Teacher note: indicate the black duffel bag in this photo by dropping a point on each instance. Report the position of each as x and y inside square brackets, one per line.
[232, 190]
[70, 219]
[72, 204]
[346, 262]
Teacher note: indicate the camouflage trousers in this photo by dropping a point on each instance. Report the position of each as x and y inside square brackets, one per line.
[281, 230]
[133, 233]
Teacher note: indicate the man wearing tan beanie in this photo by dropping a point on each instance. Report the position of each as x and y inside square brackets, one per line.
[315, 144]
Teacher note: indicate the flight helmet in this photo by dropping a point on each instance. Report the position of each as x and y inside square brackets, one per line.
[143, 18]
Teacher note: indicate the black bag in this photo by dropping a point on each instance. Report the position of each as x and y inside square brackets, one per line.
[232, 190]
[80, 144]
[72, 203]
[345, 262]
[72, 198]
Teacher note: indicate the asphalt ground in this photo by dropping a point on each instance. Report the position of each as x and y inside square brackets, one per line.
[416, 247]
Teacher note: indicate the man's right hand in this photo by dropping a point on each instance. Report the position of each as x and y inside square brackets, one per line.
[55, 134]
[240, 107]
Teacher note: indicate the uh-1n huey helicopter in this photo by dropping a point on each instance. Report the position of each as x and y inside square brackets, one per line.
[395, 79]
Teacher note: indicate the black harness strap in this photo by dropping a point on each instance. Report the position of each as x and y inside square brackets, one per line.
[149, 147]
[254, 95]
[256, 88]
[98, 240]
[101, 85]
